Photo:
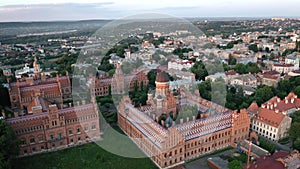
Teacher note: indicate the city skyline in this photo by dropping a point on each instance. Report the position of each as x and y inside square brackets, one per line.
[17, 11]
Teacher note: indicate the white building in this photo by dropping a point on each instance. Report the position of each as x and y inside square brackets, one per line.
[216, 76]
[291, 59]
[25, 70]
[285, 68]
[180, 64]
[270, 124]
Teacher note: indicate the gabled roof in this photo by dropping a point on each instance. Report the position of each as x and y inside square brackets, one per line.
[269, 117]
[253, 107]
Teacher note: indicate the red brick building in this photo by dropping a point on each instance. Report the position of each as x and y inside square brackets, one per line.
[171, 145]
[46, 127]
[119, 83]
[56, 89]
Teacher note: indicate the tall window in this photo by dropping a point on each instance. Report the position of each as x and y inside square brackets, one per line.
[32, 140]
[23, 142]
[60, 136]
[40, 138]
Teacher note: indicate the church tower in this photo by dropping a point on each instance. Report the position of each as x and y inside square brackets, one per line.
[118, 81]
[162, 84]
[36, 68]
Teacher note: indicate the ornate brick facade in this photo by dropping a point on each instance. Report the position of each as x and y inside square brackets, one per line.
[170, 146]
[50, 128]
[119, 83]
[56, 89]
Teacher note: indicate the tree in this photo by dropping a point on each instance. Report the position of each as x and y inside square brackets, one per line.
[231, 60]
[253, 47]
[294, 131]
[151, 77]
[296, 144]
[240, 68]
[235, 164]
[199, 70]
[9, 145]
[263, 94]
[111, 72]
[297, 91]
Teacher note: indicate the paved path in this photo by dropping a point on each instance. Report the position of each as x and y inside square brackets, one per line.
[202, 162]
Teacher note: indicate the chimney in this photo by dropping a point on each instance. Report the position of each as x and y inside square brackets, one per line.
[16, 114]
[181, 121]
[292, 100]
[78, 103]
[286, 101]
[194, 118]
[278, 99]
[70, 104]
[187, 119]
[83, 102]
[268, 107]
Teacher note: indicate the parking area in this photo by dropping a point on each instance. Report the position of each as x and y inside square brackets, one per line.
[202, 162]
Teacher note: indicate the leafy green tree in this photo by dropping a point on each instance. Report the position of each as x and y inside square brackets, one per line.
[111, 72]
[199, 70]
[297, 91]
[294, 131]
[205, 90]
[231, 60]
[235, 164]
[296, 144]
[151, 77]
[263, 94]
[9, 145]
[253, 47]
[296, 116]
[240, 68]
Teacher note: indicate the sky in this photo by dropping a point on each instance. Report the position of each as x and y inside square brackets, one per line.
[55, 10]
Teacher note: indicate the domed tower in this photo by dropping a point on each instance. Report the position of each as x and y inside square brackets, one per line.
[162, 84]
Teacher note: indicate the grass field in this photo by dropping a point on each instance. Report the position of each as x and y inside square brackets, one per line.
[89, 156]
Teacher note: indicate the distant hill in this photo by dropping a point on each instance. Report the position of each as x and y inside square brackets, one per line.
[11, 29]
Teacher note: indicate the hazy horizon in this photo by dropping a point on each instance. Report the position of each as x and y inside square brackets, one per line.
[76, 10]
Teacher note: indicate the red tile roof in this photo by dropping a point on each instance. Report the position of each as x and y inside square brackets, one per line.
[291, 101]
[269, 162]
[253, 107]
[269, 117]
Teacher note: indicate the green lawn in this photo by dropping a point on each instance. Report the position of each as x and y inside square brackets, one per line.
[89, 156]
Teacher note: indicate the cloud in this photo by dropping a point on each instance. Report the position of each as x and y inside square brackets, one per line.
[119, 8]
[48, 12]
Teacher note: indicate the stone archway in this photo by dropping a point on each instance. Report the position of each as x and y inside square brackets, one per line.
[254, 137]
